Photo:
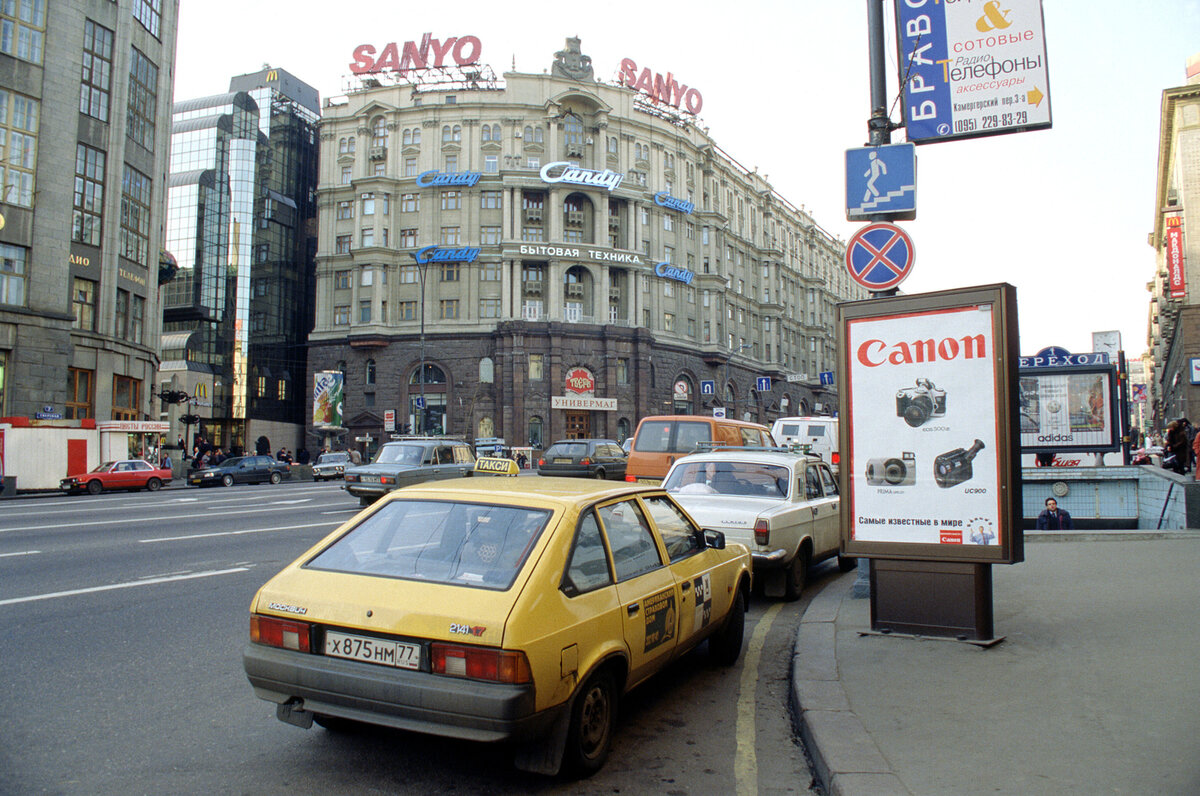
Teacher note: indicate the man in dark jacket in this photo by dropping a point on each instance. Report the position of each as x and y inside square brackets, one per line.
[1054, 518]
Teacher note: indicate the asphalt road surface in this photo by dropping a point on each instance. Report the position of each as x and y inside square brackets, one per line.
[122, 618]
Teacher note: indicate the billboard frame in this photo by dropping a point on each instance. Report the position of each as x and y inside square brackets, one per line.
[1111, 397]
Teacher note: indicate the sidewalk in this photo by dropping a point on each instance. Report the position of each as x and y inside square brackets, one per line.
[1095, 688]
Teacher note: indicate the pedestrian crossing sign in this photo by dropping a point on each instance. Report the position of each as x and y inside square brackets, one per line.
[881, 181]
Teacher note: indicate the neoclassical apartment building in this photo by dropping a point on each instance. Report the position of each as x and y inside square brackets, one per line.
[566, 256]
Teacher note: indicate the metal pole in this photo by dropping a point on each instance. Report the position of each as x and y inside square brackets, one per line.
[421, 408]
[878, 126]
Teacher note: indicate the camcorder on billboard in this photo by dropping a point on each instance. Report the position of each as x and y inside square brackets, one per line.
[930, 468]
[1069, 409]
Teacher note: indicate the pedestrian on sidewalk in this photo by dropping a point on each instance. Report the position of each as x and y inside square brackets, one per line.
[1196, 454]
[1177, 452]
[1054, 518]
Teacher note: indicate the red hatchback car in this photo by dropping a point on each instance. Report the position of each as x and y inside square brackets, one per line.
[130, 474]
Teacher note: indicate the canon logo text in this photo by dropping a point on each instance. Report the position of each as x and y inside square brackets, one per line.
[874, 353]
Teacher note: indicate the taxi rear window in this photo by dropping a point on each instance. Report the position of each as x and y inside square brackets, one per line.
[466, 544]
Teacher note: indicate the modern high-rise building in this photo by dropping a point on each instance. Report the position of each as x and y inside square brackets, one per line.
[1173, 329]
[241, 223]
[85, 98]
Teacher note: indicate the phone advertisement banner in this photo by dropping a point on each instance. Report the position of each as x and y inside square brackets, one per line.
[929, 459]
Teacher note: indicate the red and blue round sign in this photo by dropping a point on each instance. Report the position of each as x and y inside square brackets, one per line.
[879, 256]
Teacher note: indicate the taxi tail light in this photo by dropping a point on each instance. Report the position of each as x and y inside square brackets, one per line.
[762, 532]
[836, 457]
[478, 663]
[631, 479]
[283, 633]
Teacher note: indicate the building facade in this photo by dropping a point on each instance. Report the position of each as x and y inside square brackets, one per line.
[241, 224]
[550, 256]
[85, 97]
[1174, 318]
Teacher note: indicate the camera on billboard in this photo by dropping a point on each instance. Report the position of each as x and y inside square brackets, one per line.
[917, 404]
[954, 467]
[892, 471]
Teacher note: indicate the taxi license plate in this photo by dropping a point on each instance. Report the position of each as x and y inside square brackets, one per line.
[562, 461]
[370, 479]
[655, 481]
[400, 654]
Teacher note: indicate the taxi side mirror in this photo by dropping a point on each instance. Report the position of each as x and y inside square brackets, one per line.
[714, 539]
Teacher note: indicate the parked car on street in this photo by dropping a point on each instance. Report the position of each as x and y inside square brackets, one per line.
[815, 435]
[584, 458]
[132, 474]
[661, 440]
[241, 470]
[783, 506]
[331, 464]
[496, 609]
[408, 460]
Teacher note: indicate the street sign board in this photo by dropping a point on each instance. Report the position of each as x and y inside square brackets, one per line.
[827, 377]
[389, 420]
[419, 402]
[879, 256]
[763, 384]
[972, 69]
[718, 411]
[708, 387]
[792, 378]
[881, 180]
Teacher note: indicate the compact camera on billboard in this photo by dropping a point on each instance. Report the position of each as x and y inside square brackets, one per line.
[954, 467]
[892, 471]
[917, 404]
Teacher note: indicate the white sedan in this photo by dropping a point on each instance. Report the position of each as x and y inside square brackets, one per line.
[783, 506]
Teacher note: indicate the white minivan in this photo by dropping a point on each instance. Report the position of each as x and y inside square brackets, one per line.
[819, 433]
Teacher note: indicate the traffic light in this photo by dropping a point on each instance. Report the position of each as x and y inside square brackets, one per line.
[173, 396]
[190, 420]
[406, 429]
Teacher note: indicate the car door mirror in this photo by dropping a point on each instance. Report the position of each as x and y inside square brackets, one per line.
[714, 539]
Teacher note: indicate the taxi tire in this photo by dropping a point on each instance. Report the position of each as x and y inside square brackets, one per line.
[154, 484]
[593, 719]
[94, 487]
[276, 478]
[227, 480]
[725, 645]
[795, 575]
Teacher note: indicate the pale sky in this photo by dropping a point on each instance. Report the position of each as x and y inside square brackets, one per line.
[1063, 214]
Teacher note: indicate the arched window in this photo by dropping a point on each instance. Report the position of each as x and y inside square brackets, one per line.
[379, 132]
[433, 374]
[487, 371]
[416, 136]
[612, 146]
[369, 377]
[622, 429]
[535, 432]
[457, 132]
[342, 146]
[446, 134]
[350, 144]
[572, 129]
[408, 136]
[537, 135]
[528, 134]
[683, 393]
[485, 133]
[495, 132]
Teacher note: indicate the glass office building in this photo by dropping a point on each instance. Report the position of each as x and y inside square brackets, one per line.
[241, 205]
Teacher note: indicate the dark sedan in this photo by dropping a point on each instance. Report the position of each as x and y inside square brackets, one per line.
[241, 470]
[584, 458]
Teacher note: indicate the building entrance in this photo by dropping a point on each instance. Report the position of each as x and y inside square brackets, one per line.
[579, 425]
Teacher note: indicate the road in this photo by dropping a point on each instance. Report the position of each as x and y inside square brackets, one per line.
[122, 618]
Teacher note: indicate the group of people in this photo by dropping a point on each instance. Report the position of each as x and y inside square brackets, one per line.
[1181, 447]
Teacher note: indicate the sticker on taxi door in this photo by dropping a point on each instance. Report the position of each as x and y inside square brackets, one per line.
[660, 619]
[702, 589]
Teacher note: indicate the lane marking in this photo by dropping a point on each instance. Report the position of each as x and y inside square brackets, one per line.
[130, 521]
[22, 553]
[745, 764]
[212, 534]
[129, 585]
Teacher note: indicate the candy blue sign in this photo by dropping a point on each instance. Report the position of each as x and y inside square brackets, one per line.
[881, 180]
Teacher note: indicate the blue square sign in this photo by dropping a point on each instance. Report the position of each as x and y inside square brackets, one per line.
[881, 181]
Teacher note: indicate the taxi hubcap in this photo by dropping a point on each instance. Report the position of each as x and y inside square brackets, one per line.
[594, 718]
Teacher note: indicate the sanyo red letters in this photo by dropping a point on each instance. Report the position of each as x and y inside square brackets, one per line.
[874, 353]
[464, 50]
[659, 88]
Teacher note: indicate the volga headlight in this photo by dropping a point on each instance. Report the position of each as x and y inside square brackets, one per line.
[208, 475]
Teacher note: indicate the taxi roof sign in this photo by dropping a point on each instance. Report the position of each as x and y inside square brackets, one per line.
[492, 465]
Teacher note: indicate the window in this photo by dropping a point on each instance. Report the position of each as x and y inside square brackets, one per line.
[346, 146]
[535, 367]
[450, 272]
[633, 548]
[126, 398]
[410, 167]
[408, 274]
[622, 370]
[612, 146]
[451, 200]
[369, 378]
[588, 569]
[451, 236]
[121, 322]
[489, 200]
[368, 237]
[341, 315]
[489, 308]
[22, 26]
[451, 163]
[368, 204]
[341, 280]
[408, 238]
[489, 235]
[378, 132]
[668, 222]
[490, 272]
[345, 210]
[491, 164]
[406, 311]
[83, 303]
[533, 135]
[342, 244]
[347, 174]
[12, 274]
[366, 277]
[449, 309]
[89, 194]
[143, 98]
[412, 136]
[96, 78]
[149, 13]
[364, 311]
[137, 319]
[410, 202]
[678, 534]
[18, 146]
[79, 393]
[668, 321]
[533, 234]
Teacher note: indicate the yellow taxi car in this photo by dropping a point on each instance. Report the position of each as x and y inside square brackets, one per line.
[496, 609]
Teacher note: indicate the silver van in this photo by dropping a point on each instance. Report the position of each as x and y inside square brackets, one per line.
[820, 434]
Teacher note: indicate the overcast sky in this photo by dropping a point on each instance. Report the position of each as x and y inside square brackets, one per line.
[1062, 214]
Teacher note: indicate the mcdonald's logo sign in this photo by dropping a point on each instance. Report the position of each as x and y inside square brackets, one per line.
[272, 75]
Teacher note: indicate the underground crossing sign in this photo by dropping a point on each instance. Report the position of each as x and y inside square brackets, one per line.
[879, 256]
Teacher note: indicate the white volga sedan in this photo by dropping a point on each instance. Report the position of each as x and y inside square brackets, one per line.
[783, 506]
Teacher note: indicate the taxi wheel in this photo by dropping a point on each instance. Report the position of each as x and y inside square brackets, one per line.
[796, 574]
[95, 487]
[725, 645]
[153, 484]
[227, 479]
[276, 478]
[593, 717]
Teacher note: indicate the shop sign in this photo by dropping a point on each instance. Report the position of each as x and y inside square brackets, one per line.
[1058, 357]
[575, 253]
[464, 50]
[135, 278]
[562, 171]
[659, 88]
[664, 199]
[435, 177]
[134, 426]
[581, 381]
[1175, 257]
[582, 402]
[668, 271]
[435, 254]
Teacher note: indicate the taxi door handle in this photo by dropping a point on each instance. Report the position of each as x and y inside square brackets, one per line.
[632, 609]
[687, 584]
[814, 511]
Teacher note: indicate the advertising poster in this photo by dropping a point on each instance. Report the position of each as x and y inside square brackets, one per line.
[1069, 409]
[327, 398]
[930, 465]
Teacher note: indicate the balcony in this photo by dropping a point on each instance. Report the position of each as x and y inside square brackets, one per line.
[533, 215]
[574, 292]
[614, 294]
[532, 287]
[614, 223]
[574, 218]
[377, 153]
[574, 150]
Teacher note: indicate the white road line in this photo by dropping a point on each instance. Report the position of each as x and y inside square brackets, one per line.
[129, 585]
[22, 553]
[745, 764]
[130, 521]
[234, 533]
